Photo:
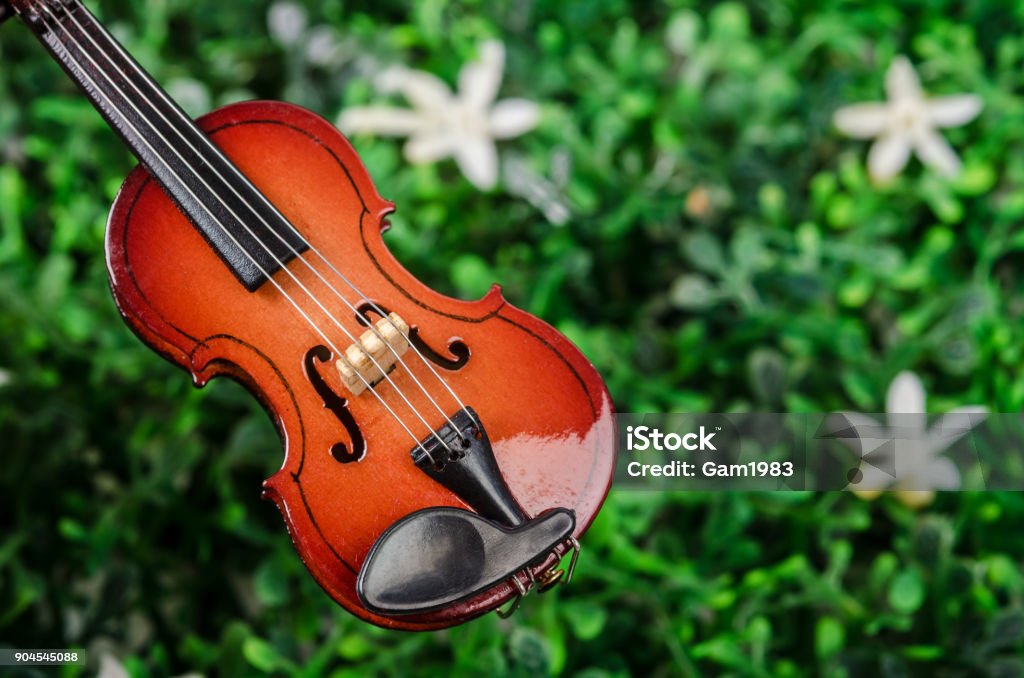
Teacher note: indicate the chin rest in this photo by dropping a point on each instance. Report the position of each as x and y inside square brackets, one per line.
[439, 556]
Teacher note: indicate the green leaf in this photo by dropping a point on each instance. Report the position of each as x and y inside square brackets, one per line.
[729, 21]
[355, 646]
[976, 178]
[773, 201]
[933, 541]
[923, 652]
[840, 211]
[856, 290]
[683, 32]
[829, 637]
[1007, 630]
[260, 654]
[270, 584]
[859, 387]
[749, 254]
[472, 276]
[586, 619]
[72, 530]
[767, 369]
[693, 292]
[705, 253]
[529, 652]
[906, 593]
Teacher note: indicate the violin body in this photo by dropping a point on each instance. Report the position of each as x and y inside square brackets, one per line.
[347, 474]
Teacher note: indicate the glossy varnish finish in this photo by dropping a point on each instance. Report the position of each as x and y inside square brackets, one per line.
[545, 409]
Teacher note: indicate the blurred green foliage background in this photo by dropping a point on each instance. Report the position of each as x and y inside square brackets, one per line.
[725, 251]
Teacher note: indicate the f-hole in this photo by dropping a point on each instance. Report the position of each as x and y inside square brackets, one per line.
[336, 404]
[456, 347]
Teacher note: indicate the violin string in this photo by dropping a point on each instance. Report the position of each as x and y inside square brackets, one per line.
[234, 169]
[384, 373]
[69, 13]
[323, 335]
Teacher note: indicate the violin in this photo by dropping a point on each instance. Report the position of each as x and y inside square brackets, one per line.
[441, 457]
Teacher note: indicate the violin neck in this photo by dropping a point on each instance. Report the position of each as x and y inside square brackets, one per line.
[251, 236]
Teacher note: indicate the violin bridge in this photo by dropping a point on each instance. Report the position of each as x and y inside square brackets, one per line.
[361, 370]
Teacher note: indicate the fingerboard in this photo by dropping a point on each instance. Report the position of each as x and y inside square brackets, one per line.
[248, 233]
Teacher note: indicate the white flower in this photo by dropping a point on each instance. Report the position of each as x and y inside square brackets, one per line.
[907, 122]
[287, 22]
[443, 124]
[5, 377]
[917, 463]
[191, 95]
[543, 194]
[322, 47]
[111, 667]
